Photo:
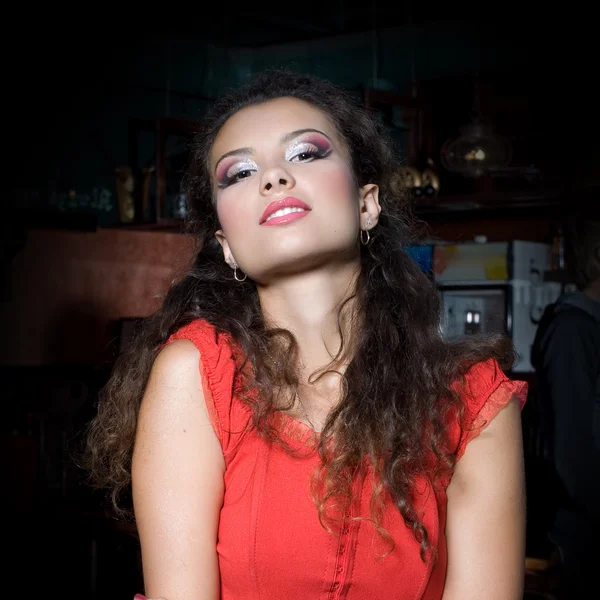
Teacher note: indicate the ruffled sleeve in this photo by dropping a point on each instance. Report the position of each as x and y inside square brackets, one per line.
[486, 391]
[229, 416]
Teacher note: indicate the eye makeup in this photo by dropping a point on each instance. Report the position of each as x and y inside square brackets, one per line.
[314, 145]
[230, 169]
[310, 146]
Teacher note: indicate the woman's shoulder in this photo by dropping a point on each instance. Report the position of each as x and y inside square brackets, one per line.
[196, 329]
[219, 375]
[483, 379]
[216, 348]
[486, 377]
[485, 390]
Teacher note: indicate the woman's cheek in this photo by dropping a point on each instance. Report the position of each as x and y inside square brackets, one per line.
[338, 186]
[227, 212]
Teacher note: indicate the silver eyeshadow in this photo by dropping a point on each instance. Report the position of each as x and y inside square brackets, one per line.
[238, 167]
[299, 147]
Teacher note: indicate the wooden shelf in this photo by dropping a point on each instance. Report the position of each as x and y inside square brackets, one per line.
[483, 200]
[488, 205]
[164, 225]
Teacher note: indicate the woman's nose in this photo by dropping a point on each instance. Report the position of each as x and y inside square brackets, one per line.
[275, 179]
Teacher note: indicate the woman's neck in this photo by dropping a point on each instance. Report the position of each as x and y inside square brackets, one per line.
[308, 305]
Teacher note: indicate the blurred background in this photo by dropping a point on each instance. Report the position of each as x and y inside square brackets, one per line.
[494, 119]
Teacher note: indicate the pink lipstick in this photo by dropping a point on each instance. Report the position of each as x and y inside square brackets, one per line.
[286, 205]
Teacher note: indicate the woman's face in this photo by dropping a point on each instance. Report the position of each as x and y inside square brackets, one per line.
[284, 191]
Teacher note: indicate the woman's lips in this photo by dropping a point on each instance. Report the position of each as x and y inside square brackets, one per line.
[293, 216]
[283, 203]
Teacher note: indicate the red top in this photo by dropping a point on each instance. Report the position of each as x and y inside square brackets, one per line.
[270, 542]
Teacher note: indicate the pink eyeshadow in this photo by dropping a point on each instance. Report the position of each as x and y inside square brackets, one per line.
[318, 140]
[223, 168]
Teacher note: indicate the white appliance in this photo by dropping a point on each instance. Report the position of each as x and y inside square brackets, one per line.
[494, 287]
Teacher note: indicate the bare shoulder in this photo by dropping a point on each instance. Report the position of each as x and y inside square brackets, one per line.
[499, 442]
[174, 405]
[178, 359]
[174, 385]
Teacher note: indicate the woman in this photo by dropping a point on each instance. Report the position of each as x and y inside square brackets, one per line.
[295, 425]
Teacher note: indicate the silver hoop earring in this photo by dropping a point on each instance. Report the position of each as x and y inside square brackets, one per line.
[364, 237]
[236, 277]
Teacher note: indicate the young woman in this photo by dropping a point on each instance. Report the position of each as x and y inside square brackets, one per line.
[291, 421]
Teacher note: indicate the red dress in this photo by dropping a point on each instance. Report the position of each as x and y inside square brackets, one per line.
[271, 545]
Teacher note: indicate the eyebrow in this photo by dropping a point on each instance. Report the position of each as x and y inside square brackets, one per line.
[288, 137]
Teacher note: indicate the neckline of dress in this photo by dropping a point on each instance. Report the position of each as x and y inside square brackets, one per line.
[294, 429]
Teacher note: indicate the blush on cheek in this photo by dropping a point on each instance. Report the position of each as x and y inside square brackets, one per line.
[226, 213]
[339, 186]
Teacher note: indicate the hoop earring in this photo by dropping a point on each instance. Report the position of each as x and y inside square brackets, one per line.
[364, 241]
[236, 277]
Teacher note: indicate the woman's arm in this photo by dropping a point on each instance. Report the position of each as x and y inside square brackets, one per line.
[177, 476]
[486, 514]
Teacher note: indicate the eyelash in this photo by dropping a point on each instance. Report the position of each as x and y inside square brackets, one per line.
[313, 152]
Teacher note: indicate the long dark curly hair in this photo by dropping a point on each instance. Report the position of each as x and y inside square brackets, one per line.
[398, 387]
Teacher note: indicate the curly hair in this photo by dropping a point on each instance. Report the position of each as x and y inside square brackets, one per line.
[399, 384]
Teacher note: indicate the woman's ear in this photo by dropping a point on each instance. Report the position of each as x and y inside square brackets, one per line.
[227, 255]
[370, 209]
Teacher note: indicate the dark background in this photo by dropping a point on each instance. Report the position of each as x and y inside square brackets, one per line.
[87, 92]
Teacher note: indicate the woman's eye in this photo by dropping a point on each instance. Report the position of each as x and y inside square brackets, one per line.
[235, 177]
[242, 175]
[306, 151]
[305, 155]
